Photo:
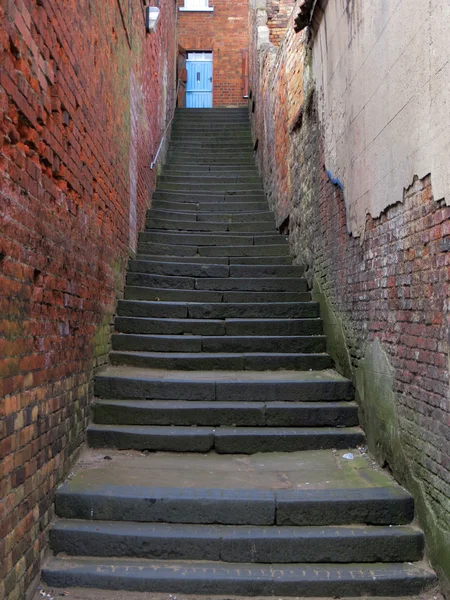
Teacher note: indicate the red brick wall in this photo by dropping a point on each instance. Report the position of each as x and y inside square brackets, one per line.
[224, 32]
[384, 298]
[81, 115]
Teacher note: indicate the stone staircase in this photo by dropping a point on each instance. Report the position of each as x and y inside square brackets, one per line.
[236, 476]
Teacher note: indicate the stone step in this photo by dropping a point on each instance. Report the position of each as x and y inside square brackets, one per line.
[237, 284]
[221, 131]
[192, 122]
[220, 344]
[206, 184]
[219, 327]
[190, 577]
[210, 216]
[269, 386]
[228, 543]
[186, 269]
[193, 167]
[228, 178]
[259, 251]
[192, 260]
[200, 310]
[223, 440]
[221, 260]
[223, 361]
[236, 414]
[160, 294]
[226, 162]
[153, 223]
[224, 207]
[204, 199]
[226, 143]
[310, 488]
[214, 239]
[219, 217]
[208, 155]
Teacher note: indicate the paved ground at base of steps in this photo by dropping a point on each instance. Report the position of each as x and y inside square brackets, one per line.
[94, 594]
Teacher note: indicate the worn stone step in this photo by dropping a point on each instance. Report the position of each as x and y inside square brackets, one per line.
[186, 269]
[228, 162]
[194, 216]
[228, 543]
[223, 131]
[217, 171]
[219, 327]
[160, 294]
[226, 143]
[212, 239]
[255, 260]
[206, 195]
[201, 310]
[206, 186]
[260, 284]
[354, 579]
[154, 223]
[182, 250]
[310, 488]
[214, 168]
[205, 198]
[220, 260]
[222, 361]
[220, 207]
[192, 260]
[208, 155]
[224, 440]
[179, 269]
[222, 344]
[269, 386]
[254, 414]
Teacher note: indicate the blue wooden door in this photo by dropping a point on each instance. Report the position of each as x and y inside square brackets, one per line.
[199, 81]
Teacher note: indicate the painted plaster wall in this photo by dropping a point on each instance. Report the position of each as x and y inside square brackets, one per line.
[84, 97]
[382, 73]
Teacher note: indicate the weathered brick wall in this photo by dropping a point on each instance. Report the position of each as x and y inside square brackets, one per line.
[223, 31]
[278, 14]
[84, 94]
[384, 297]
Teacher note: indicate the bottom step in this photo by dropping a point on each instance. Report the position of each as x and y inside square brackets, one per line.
[306, 580]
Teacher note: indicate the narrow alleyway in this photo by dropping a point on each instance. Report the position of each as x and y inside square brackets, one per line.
[224, 447]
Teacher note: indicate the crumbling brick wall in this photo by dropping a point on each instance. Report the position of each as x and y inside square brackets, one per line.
[224, 32]
[278, 16]
[384, 296]
[84, 96]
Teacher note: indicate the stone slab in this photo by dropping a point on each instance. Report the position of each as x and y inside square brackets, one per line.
[230, 543]
[246, 579]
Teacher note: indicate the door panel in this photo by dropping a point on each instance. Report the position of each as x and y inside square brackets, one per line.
[199, 83]
[181, 77]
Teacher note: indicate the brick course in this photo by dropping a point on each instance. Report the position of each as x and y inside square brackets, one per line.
[389, 288]
[223, 31]
[75, 184]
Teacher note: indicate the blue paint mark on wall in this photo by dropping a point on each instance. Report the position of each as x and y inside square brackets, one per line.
[334, 180]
